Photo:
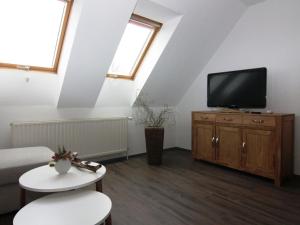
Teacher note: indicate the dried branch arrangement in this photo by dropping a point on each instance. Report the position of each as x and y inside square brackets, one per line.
[152, 116]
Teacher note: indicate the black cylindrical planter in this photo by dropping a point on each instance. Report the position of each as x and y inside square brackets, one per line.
[154, 145]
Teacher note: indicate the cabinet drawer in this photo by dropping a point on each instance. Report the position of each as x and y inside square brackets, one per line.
[259, 120]
[236, 119]
[204, 117]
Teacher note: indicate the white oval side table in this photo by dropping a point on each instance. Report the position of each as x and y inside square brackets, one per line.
[46, 179]
[67, 208]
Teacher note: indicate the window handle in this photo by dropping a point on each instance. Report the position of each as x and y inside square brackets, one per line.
[23, 67]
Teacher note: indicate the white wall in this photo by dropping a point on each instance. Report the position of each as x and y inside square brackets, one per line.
[27, 88]
[136, 138]
[268, 35]
[23, 88]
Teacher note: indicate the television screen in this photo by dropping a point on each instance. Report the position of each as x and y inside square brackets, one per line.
[237, 89]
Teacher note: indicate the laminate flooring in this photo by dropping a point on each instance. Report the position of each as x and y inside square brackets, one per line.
[187, 192]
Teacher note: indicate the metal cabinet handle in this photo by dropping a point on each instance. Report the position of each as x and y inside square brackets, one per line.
[228, 119]
[204, 117]
[213, 140]
[243, 146]
[217, 140]
[258, 121]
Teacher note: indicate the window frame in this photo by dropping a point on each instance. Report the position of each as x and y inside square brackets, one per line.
[58, 49]
[146, 22]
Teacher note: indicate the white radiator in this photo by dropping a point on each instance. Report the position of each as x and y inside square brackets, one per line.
[89, 137]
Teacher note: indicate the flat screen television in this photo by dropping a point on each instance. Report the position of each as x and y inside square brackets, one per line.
[237, 89]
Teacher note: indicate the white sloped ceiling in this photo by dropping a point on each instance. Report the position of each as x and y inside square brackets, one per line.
[252, 2]
[203, 27]
[205, 24]
[100, 28]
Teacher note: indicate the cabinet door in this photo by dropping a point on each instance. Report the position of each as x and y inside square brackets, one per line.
[203, 147]
[228, 146]
[259, 151]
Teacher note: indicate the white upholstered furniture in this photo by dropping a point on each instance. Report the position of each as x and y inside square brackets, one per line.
[81, 207]
[13, 163]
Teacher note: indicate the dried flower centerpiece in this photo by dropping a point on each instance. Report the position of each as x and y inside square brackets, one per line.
[61, 160]
[62, 153]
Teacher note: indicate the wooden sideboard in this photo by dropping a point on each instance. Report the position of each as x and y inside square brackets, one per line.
[260, 144]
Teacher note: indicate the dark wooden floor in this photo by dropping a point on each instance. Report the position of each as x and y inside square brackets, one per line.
[183, 191]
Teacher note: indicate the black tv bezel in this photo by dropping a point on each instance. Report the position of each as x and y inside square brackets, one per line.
[236, 72]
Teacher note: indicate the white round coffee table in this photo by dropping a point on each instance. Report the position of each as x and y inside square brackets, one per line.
[46, 179]
[80, 207]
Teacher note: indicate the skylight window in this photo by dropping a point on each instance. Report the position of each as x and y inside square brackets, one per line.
[32, 33]
[136, 41]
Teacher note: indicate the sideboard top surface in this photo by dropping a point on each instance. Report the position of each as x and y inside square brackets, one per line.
[244, 113]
